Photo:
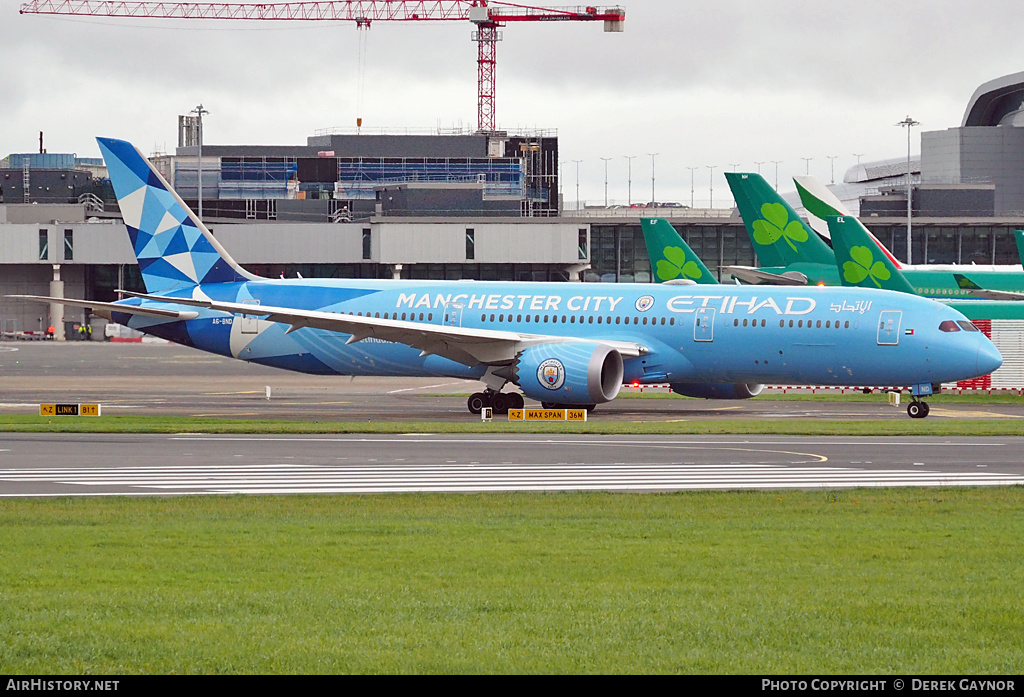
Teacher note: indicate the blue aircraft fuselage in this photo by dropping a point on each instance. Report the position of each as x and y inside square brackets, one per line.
[560, 343]
[812, 335]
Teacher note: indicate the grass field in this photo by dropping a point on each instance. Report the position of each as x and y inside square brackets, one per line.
[175, 424]
[851, 582]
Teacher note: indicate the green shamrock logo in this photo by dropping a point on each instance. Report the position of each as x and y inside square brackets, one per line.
[675, 265]
[777, 225]
[864, 266]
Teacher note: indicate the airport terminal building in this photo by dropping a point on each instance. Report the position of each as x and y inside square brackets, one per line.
[468, 206]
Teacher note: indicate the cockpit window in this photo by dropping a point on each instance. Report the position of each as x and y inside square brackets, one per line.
[968, 326]
[949, 326]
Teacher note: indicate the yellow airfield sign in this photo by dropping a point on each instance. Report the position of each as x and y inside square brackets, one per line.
[69, 409]
[547, 414]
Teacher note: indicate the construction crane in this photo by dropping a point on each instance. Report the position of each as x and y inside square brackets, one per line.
[486, 15]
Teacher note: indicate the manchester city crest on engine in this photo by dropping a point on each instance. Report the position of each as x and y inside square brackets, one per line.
[551, 373]
[644, 303]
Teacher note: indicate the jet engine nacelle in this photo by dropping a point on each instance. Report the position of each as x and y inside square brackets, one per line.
[577, 372]
[721, 390]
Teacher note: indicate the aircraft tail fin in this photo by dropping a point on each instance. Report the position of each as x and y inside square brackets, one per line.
[671, 258]
[820, 203]
[1018, 235]
[779, 236]
[860, 260]
[174, 248]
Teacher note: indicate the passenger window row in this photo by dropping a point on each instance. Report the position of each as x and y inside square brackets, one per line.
[572, 319]
[799, 324]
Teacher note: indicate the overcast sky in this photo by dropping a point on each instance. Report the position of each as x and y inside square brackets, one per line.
[724, 83]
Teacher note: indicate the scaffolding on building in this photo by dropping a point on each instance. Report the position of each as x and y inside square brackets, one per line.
[359, 176]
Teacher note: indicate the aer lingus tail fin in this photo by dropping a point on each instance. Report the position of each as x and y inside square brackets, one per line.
[779, 236]
[860, 261]
[820, 202]
[671, 258]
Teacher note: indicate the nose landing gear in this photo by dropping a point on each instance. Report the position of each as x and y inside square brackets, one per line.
[918, 409]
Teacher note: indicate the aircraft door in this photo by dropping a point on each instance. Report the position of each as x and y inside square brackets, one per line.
[452, 315]
[889, 327]
[704, 324]
[250, 323]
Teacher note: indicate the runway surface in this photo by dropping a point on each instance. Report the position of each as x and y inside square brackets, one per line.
[36, 465]
[165, 379]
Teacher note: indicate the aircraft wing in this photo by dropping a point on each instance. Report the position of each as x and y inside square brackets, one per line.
[759, 277]
[972, 289]
[105, 308]
[993, 294]
[461, 344]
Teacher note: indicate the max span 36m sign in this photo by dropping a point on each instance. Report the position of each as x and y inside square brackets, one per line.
[547, 414]
[69, 409]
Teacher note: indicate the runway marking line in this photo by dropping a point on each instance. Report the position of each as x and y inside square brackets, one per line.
[952, 414]
[425, 387]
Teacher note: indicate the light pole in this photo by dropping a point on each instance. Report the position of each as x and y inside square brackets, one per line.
[909, 124]
[759, 165]
[776, 163]
[606, 180]
[711, 185]
[629, 179]
[858, 155]
[199, 111]
[691, 184]
[561, 167]
[653, 155]
[832, 161]
[807, 164]
[577, 185]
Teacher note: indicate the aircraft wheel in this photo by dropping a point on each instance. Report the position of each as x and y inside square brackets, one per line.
[500, 403]
[590, 407]
[517, 401]
[926, 408]
[917, 410]
[476, 402]
[549, 405]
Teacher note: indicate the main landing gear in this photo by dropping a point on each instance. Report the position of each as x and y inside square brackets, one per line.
[500, 402]
[917, 409]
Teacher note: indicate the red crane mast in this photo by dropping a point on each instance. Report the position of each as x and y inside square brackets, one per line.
[486, 15]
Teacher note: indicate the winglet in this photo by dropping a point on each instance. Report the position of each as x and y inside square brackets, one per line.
[671, 258]
[860, 261]
[174, 248]
[965, 283]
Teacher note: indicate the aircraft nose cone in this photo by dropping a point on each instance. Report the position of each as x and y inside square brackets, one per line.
[989, 358]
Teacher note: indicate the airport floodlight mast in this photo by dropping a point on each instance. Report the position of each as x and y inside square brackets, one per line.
[199, 111]
[909, 124]
[488, 16]
[629, 179]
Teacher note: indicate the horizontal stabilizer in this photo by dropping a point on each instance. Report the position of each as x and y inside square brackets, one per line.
[749, 274]
[105, 308]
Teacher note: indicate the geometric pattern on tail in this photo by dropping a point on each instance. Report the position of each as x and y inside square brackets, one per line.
[171, 249]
